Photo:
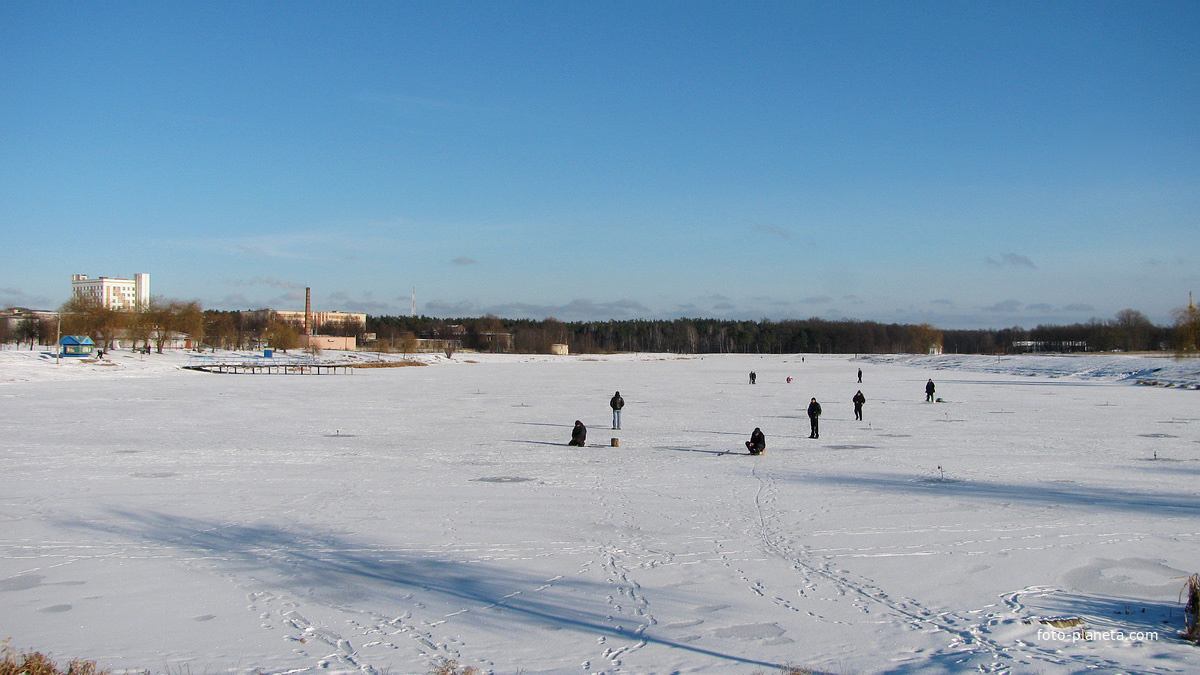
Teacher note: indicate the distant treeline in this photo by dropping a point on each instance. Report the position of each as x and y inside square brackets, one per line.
[162, 320]
[686, 336]
[1130, 330]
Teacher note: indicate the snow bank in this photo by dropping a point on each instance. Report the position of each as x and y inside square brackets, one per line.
[1164, 370]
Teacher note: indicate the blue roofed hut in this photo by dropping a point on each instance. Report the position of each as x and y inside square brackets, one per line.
[76, 345]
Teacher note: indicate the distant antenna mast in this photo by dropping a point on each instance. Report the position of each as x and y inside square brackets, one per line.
[414, 301]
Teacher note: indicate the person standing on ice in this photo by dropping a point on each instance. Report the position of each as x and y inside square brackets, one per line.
[929, 390]
[757, 444]
[616, 403]
[578, 435]
[858, 400]
[753, 377]
[860, 375]
[814, 413]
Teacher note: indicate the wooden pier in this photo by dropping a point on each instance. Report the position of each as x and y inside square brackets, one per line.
[269, 366]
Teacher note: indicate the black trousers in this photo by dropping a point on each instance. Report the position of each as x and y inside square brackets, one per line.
[812, 422]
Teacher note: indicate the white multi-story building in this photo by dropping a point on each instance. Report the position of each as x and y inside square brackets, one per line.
[119, 294]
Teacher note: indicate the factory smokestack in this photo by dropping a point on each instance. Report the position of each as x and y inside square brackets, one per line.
[308, 311]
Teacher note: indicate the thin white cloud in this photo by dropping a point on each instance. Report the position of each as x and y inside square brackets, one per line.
[264, 281]
[292, 246]
[576, 310]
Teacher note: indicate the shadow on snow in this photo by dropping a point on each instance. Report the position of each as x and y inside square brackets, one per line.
[1091, 496]
[335, 568]
[1131, 614]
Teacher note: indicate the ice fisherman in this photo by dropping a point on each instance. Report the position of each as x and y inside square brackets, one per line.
[578, 435]
[858, 400]
[616, 403]
[757, 444]
[860, 375]
[814, 413]
[929, 388]
[753, 377]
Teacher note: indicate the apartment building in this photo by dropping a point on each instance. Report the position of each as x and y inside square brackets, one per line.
[119, 294]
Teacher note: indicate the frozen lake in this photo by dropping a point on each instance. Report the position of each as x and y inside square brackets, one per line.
[168, 520]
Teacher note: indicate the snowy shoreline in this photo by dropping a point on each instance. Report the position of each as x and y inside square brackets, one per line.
[1164, 370]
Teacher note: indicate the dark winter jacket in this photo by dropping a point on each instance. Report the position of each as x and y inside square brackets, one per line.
[758, 441]
[859, 399]
[578, 434]
[929, 387]
[617, 402]
[814, 409]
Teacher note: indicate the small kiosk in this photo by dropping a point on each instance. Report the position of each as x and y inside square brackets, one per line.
[76, 345]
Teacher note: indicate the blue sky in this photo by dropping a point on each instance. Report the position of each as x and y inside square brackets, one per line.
[967, 164]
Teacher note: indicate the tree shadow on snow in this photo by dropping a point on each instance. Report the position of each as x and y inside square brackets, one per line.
[1170, 465]
[719, 433]
[336, 568]
[1080, 495]
[1128, 614]
[1036, 383]
[702, 451]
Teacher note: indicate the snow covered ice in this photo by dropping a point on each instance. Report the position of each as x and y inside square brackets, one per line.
[1040, 519]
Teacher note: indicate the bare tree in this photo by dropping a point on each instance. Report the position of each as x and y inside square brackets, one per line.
[282, 335]
[190, 321]
[222, 329]
[84, 315]
[32, 329]
[139, 326]
[163, 322]
[449, 336]
[408, 344]
[1187, 330]
[925, 337]
[1133, 330]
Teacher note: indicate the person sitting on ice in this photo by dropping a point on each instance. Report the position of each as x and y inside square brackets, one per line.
[578, 435]
[757, 444]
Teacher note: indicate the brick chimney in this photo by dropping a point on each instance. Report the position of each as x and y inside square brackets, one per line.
[308, 327]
